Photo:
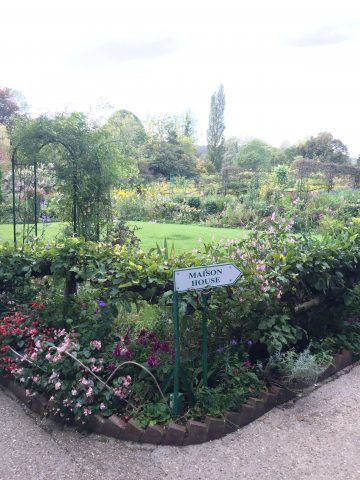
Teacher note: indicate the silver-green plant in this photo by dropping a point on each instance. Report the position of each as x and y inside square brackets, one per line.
[304, 367]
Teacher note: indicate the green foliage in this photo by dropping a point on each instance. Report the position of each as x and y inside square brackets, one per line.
[152, 414]
[255, 155]
[281, 174]
[276, 332]
[86, 161]
[232, 381]
[194, 202]
[168, 151]
[324, 148]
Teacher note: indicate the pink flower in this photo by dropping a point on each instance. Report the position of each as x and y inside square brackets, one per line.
[86, 412]
[118, 392]
[33, 356]
[126, 381]
[48, 357]
[57, 385]
[96, 344]
[53, 376]
[89, 392]
[84, 381]
[260, 267]
[102, 406]
[60, 333]
[74, 392]
[57, 357]
[96, 369]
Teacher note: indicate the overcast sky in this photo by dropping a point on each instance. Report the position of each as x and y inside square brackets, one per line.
[290, 68]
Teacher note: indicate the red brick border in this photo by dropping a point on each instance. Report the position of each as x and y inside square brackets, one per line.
[174, 434]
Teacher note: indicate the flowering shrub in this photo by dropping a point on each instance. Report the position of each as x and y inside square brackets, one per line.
[78, 379]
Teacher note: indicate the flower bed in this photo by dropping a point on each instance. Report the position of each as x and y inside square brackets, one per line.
[89, 327]
[193, 432]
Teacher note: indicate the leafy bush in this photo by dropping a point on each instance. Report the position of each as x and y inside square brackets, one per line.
[194, 202]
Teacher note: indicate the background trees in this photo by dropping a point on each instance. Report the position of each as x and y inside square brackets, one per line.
[324, 148]
[255, 155]
[170, 149]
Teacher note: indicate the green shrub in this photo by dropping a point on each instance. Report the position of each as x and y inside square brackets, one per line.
[194, 202]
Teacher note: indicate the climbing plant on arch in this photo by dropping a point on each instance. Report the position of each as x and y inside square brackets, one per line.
[86, 159]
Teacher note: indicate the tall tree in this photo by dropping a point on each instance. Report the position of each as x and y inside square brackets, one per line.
[189, 125]
[215, 133]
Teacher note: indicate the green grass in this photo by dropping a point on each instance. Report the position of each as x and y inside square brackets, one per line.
[52, 230]
[184, 237]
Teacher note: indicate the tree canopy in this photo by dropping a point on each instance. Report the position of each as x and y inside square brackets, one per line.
[255, 155]
[324, 148]
[169, 151]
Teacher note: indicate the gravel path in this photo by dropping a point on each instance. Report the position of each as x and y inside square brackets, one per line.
[317, 437]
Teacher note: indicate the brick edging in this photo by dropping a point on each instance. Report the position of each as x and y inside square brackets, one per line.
[194, 432]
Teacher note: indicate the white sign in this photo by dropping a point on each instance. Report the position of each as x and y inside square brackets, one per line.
[197, 278]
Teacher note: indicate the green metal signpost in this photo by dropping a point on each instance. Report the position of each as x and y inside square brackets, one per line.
[196, 278]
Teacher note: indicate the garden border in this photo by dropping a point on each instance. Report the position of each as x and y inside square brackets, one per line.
[194, 432]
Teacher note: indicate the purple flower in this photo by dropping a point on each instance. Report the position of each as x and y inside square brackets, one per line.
[129, 353]
[152, 360]
[111, 366]
[248, 342]
[233, 342]
[101, 303]
[247, 364]
[220, 350]
[117, 350]
[164, 347]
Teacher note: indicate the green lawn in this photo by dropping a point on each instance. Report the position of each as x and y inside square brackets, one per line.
[51, 231]
[184, 237]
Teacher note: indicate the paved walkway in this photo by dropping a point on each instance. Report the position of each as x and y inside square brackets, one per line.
[317, 437]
